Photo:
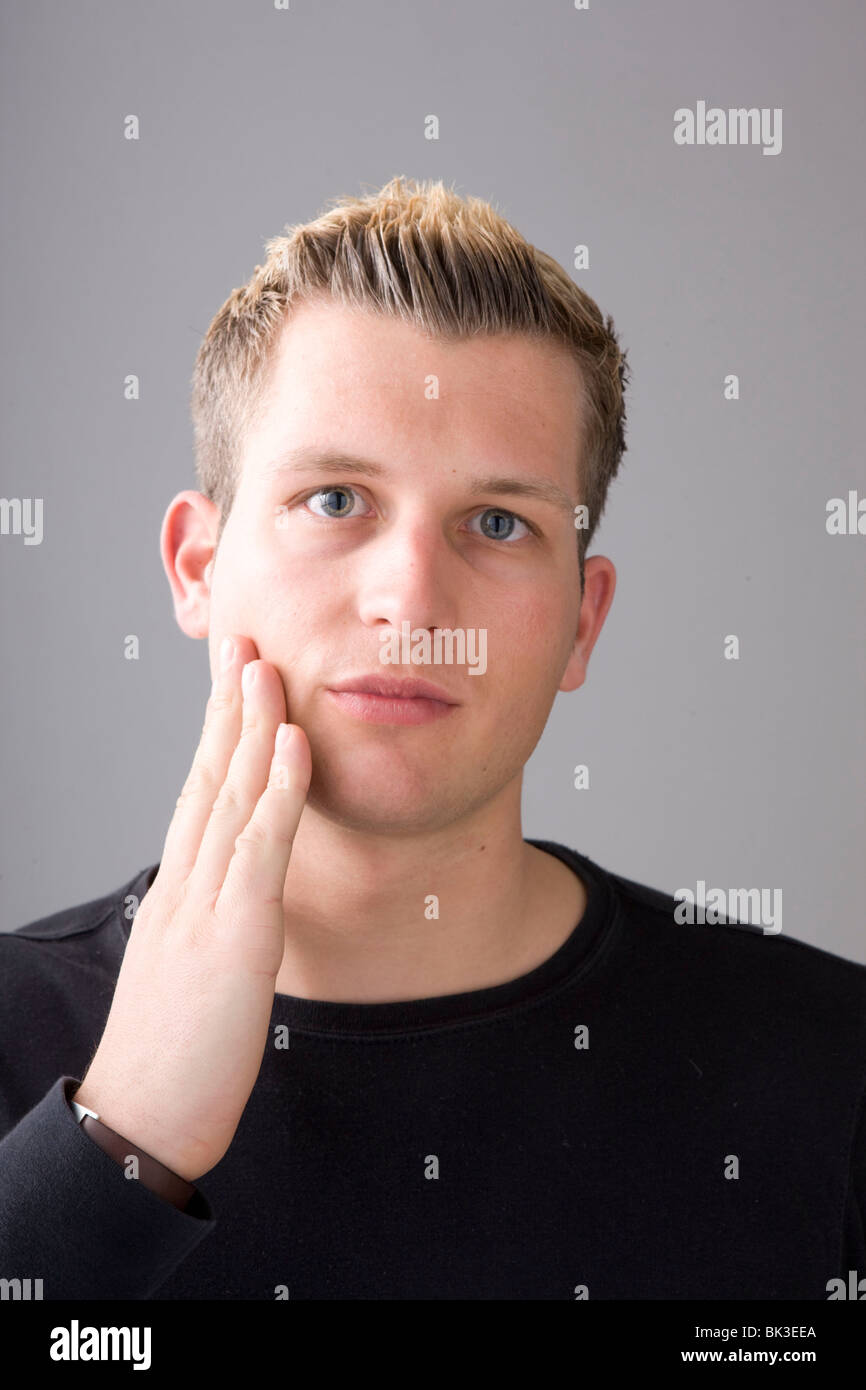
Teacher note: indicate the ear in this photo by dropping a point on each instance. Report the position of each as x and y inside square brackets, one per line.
[187, 545]
[599, 587]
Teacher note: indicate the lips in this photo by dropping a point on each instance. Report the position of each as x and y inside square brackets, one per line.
[377, 699]
[406, 689]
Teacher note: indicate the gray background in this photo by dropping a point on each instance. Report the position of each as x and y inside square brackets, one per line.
[116, 254]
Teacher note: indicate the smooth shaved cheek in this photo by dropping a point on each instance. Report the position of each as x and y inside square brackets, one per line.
[541, 636]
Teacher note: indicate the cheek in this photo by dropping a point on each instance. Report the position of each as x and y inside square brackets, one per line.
[524, 661]
[538, 633]
[258, 586]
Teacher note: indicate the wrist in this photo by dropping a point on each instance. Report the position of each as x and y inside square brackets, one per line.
[130, 1124]
[155, 1175]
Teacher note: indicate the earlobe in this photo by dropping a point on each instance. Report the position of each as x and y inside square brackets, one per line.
[575, 672]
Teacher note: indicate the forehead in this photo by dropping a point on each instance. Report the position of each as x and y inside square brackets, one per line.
[321, 334]
[356, 379]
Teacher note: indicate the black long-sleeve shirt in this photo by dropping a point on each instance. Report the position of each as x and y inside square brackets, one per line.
[658, 1111]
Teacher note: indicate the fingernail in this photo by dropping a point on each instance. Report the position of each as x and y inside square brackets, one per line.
[227, 651]
[248, 675]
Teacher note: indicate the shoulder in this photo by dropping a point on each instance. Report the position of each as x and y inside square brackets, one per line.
[699, 924]
[58, 975]
[89, 931]
[744, 976]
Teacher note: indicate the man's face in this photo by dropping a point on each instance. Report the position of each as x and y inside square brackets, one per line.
[315, 563]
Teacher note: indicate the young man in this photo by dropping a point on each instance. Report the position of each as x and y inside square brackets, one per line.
[360, 1039]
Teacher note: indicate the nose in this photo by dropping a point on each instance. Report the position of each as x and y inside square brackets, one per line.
[408, 573]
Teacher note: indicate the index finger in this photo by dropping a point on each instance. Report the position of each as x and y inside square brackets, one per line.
[220, 734]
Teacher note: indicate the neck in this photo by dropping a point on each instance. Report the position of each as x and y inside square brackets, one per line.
[360, 907]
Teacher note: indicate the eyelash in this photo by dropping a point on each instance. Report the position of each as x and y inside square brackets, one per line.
[344, 487]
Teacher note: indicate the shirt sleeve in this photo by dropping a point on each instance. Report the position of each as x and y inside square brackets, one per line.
[70, 1217]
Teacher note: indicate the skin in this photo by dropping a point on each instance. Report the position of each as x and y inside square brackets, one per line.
[400, 812]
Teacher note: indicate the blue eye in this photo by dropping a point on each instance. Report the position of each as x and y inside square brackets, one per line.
[502, 526]
[334, 509]
[497, 524]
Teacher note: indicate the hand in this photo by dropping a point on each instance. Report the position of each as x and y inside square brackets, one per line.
[188, 1024]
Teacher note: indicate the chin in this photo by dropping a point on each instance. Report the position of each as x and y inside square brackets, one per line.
[380, 818]
[379, 795]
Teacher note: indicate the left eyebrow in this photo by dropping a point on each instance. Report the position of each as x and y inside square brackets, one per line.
[307, 460]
